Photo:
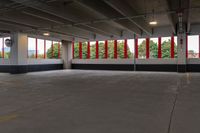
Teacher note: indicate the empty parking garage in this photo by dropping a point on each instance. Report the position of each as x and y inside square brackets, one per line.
[106, 66]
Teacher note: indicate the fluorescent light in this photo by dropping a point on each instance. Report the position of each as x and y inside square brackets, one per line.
[153, 22]
[46, 34]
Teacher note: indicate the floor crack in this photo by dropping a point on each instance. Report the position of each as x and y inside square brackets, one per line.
[172, 113]
[179, 85]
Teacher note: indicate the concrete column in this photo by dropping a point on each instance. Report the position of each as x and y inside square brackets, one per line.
[18, 55]
[67, 54]
[181, 61]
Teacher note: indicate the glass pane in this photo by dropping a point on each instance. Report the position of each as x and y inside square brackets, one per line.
[166, 47]
[101, 49]
[55, 50]
[175, 47]
[31, 47]
[48, 49]
[40, 49]
[84, 50]
[76, 50]
[131, 47]
[6, 49]
[120, 48]
[1, 46]
[193, 46]
[153, 47]
[60, 43]
[141, 48]
[93, 50]
[111, 49]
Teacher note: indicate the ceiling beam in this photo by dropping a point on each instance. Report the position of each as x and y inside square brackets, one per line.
[62, 23]
[170, 16]
[124, 9]
[61, 14]
[188, 16]
[109, 15]
[18, 26]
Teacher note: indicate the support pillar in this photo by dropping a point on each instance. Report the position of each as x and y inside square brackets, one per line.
[67, 54]
[181, 60]
[18, 55]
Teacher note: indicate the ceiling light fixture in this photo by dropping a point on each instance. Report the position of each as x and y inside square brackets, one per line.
[153, 21]
[46, 34]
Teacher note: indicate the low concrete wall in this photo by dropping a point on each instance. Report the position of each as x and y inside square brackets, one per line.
[193, 65]
[124, 61]
[193, 61]
[34, 61]
[44, 61]
[102, 61]
[31, 66]
[156, 61]
[5, 62]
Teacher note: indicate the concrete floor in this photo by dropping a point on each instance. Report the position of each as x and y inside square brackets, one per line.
[99, 102]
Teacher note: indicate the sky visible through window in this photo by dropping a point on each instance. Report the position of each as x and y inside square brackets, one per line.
[193, 43]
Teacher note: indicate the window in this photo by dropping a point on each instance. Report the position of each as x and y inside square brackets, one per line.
[84, 50]
[56, 50]
[76, 50]
[6, 49]
[1, 47]
[161, 47]
[153, 47]
[193, 46]
[111, 49]
[141, 48]
[40, 50]
[120, 49]
[31, 47]
[92, 50]
[166, 47]
[130, 49]
[101, 49]
[175, 47]
[48, 49]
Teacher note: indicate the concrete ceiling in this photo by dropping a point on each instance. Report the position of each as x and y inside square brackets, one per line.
[98, 19]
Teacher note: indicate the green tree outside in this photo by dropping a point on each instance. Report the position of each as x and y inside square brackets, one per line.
[165, 46]
[6, 55]
[55, 52]
[101, 48]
